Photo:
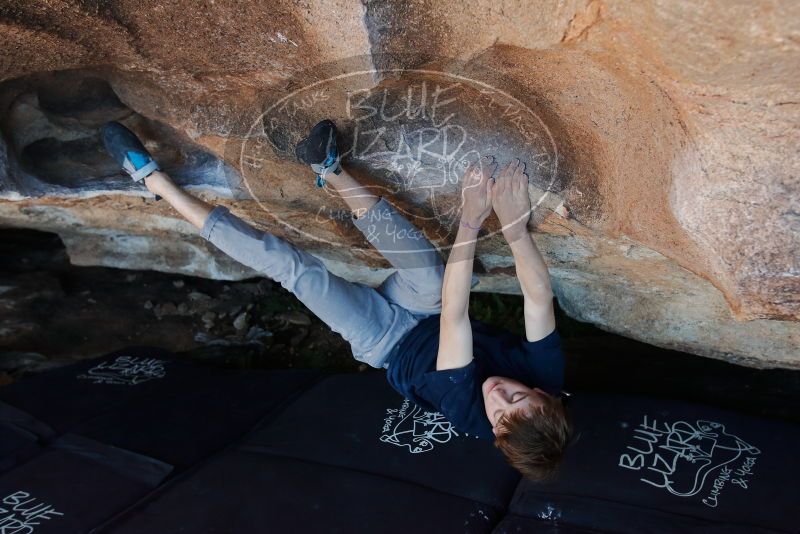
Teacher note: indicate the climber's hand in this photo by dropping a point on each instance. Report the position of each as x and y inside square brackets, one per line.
[476, 192]
[511, 202]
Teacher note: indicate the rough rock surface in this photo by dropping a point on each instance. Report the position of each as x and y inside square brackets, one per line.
[661, 139]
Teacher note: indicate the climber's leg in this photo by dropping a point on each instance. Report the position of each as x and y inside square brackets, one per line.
[417, 284]
[369, 322]
[366, 319]
[192, 208]
[357, 197]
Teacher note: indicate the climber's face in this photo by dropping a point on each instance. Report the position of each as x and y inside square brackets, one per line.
[503, 395]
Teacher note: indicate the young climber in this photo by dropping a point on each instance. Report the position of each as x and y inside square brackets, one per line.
[489, 383]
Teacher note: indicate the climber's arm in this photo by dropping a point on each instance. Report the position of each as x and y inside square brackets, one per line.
[535, 281]
[513, 206]
[455, 333]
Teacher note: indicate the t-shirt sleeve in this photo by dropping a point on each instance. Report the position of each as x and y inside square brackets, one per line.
[544, 361]
[457, 393]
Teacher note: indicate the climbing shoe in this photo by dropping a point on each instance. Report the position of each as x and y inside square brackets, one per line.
[126, 149]
[319, 150]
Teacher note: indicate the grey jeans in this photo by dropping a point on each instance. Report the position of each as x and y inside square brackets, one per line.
[371, 320]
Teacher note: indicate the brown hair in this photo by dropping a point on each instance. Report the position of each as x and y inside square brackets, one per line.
[534, 441]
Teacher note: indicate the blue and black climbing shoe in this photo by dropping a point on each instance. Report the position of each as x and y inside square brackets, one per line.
[319, 150]
[126, 149]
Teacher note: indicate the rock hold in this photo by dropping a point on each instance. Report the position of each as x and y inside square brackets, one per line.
[165, 308]
[240, 323]
[257, 334]
[208, 319]
[293, 317]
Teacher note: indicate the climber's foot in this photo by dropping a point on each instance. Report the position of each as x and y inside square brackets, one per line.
[319, 150]
[126, 149]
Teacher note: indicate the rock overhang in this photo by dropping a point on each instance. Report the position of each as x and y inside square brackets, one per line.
[659, 200]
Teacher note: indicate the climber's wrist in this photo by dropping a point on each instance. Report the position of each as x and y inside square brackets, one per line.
[515, 231]
[471, 224]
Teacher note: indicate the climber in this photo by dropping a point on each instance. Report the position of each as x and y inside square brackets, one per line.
[489, 383]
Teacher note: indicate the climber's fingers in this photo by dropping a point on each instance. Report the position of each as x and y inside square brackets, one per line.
[520, 178]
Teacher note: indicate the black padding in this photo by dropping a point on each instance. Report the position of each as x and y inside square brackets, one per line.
[16, 446]
[513, 524]
[359, 422]
[149, 402]
[185, 427]
[717, 470]
[599, 515]
[73, 485]
[347, 453]
[68, 395]
[20, 435]
[251, 492]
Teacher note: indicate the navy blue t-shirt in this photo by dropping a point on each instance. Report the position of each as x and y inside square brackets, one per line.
[456, 393]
